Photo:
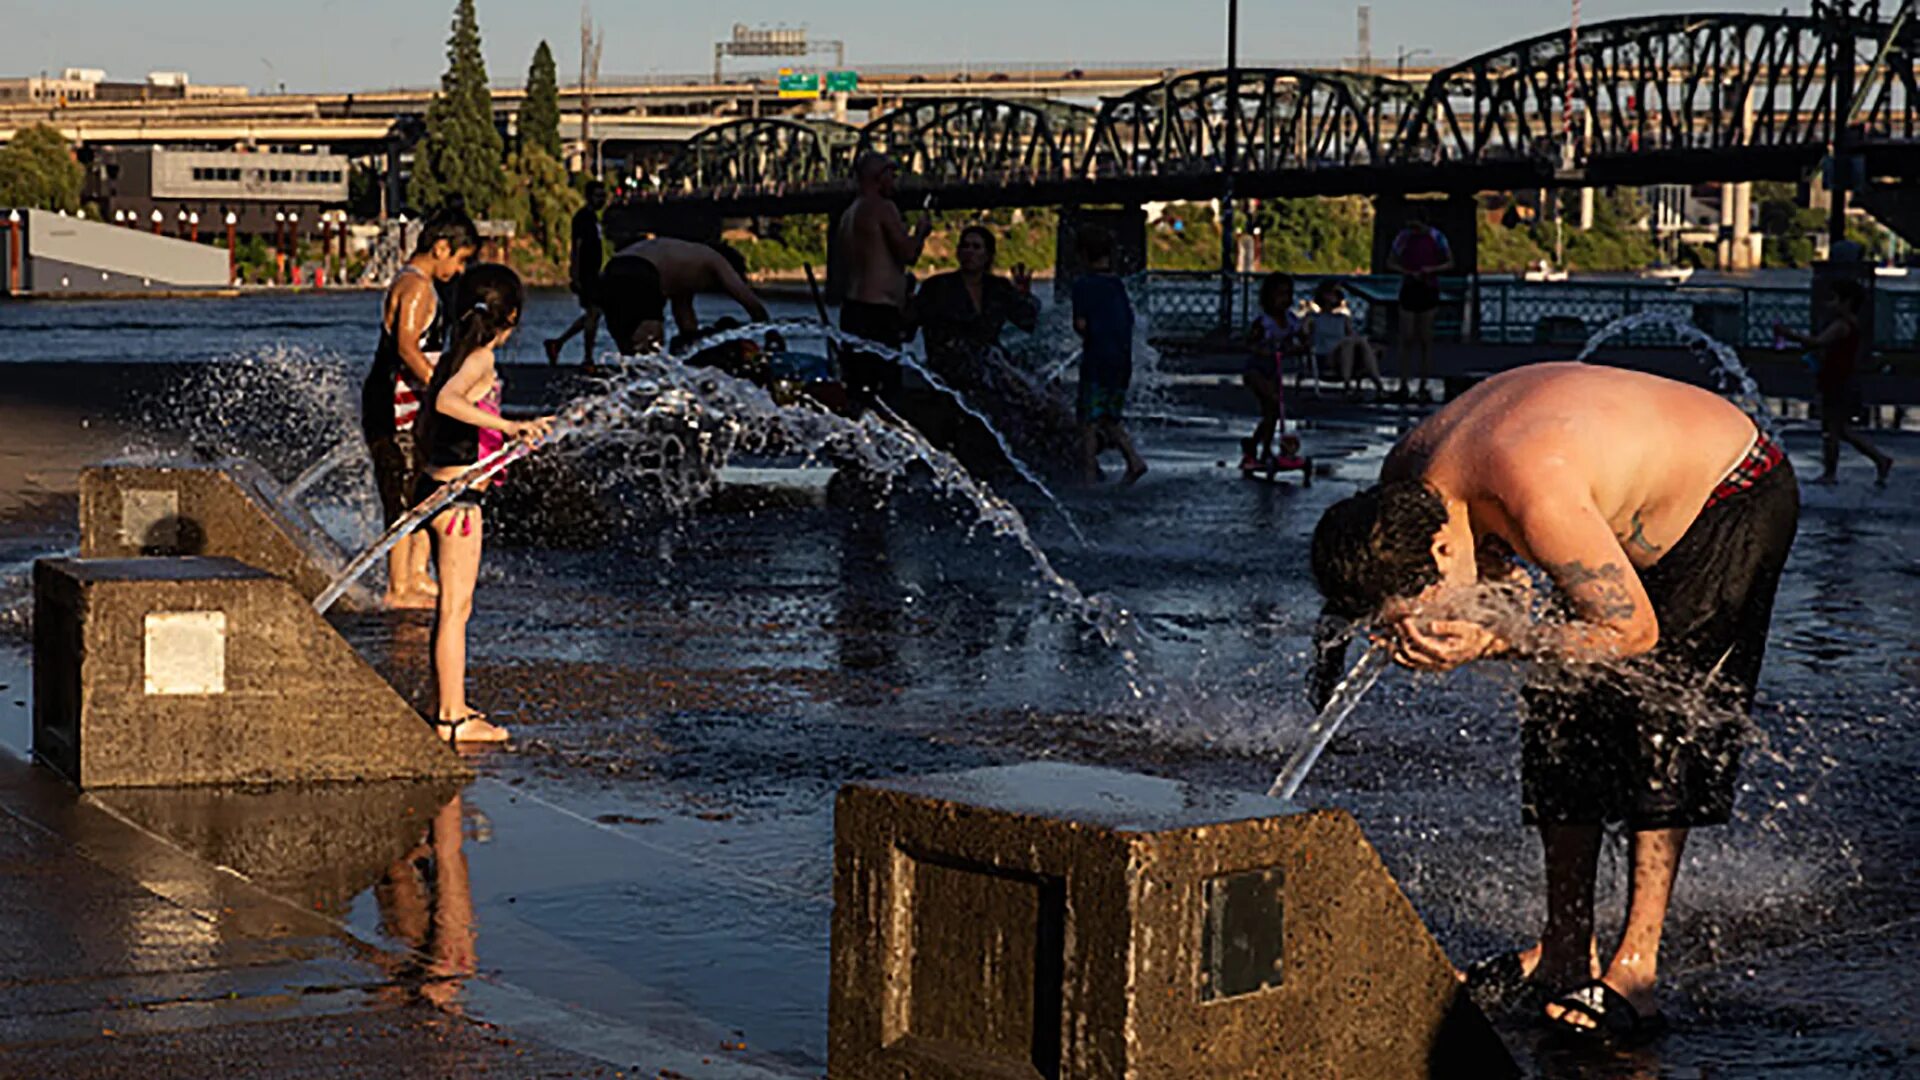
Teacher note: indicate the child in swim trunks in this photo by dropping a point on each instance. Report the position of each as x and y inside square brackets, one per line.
[462, 429]
[1103, 317]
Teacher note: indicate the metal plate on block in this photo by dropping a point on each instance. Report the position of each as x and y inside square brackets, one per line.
[1241, 941]
[150, 520]
[186, 652]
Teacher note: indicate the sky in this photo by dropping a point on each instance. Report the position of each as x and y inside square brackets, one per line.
[313, 45]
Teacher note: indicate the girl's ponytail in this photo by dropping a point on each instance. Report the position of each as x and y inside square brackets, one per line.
[488, 302]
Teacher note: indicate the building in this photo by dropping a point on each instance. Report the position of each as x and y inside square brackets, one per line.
[261, 188]
[80, 85]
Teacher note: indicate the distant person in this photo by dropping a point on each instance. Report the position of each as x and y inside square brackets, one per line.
[643, 279]
[1278, 332]
[583, 274]
[880, 251]
[1420, 255]
[412, 331]
[1103, 317]
[961, 315]
[1663, 517]
[1337, 343]
[464, 427]
[1840, 345]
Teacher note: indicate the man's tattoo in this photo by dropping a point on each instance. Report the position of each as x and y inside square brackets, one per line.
[1609, 596]
[1638, 538]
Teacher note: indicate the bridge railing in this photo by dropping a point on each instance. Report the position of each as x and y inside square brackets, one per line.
[1184, 306]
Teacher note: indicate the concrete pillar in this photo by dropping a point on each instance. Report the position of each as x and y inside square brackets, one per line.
[1586, 209]
[1058, 921]
[1128, 226]
[164, 672]
[1723, 257]
[1743, 248]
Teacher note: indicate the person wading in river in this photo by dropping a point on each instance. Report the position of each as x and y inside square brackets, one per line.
[879, 252]
[1663, 517]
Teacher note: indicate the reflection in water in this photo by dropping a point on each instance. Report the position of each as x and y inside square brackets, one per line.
[426, 901]
[866, 641]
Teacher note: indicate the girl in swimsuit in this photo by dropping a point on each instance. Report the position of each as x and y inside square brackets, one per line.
[462, 427]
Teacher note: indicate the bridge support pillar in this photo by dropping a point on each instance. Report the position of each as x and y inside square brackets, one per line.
[1126, 224]
[1458, 216]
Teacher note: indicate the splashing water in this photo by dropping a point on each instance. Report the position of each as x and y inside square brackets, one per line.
[1346, 697]
[650, 394]
[346, 451]
[1735, 381]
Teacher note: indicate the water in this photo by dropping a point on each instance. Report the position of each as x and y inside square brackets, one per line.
[1345, 698]
[1735, 381]
[698, 691]
[650, 388]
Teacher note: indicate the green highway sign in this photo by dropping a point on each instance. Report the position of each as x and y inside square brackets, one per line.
[842, 82]
[794, 84]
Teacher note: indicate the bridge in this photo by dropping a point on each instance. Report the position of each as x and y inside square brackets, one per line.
[1662, 99]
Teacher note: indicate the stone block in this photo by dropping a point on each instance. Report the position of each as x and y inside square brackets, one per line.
[231, 509]
[161, 672]
[1056, 921]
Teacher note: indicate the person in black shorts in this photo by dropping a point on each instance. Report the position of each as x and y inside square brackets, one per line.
[583, 274]
[1420, 255]
[1663, 517]
[1841, 345]
[644, 279]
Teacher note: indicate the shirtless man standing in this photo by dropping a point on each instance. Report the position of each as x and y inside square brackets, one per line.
[643, 278]
[880, 251]
[1664, 518]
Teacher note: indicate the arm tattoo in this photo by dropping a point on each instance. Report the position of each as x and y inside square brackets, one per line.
[1638, 538]
[1609, 597]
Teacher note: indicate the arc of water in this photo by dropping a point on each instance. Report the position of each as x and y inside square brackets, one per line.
[1735, 381]
[1345, 698]
[342, 453]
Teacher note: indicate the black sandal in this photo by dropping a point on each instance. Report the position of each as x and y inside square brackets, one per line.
[1615, 1020]
[450, 730]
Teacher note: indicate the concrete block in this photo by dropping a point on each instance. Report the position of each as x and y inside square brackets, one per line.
[161, 672]
[1055, 921]
[230, 509]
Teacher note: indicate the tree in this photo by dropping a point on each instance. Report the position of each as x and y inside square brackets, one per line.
[540, 200]
[37, 171]
[540, 111]
[462, 152]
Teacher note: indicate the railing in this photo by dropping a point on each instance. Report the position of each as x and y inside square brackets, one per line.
[1184, 306]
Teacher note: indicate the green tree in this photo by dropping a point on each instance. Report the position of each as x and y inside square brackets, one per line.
[540, 111]
[1307, 236]
[37, 171]
[540, 200]
[462, 152]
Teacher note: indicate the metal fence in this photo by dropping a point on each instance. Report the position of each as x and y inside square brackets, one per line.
[1185, 306]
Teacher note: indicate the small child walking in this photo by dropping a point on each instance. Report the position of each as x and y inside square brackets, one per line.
[1279, 332]
[1103, 317]
[462, 427]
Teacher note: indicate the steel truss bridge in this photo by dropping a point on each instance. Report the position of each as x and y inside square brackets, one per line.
[1662, 99]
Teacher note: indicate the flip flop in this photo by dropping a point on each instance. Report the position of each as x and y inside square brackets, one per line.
[1616, 1021]
[450, 729]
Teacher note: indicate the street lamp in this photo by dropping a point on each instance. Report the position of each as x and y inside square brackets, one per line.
[1230, 166]
[233, 254]
[180, 229]
[1406, 54]
[158, 217]
[119, 217]
[193, 226]
[13, 251]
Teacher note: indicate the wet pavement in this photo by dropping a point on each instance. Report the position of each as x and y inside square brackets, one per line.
[642, 880]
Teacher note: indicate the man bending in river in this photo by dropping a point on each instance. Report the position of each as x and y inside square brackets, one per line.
[643, 279]
[1663, 517]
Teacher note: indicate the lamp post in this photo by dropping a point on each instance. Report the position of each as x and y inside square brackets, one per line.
[233, 253]
[180, 227]
[279, 245]
[193, 226]
[1230, 166]
[158, 217]
[13, 252]
[293, 247]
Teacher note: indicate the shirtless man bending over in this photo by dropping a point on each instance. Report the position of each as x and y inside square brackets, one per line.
[643, 278]
[880, 251]
[1664, 518]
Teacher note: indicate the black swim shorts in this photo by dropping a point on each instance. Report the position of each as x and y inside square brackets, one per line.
[1418, 296]
[1657, 745]
[865, 374]
[628, 294]
[394, 472]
